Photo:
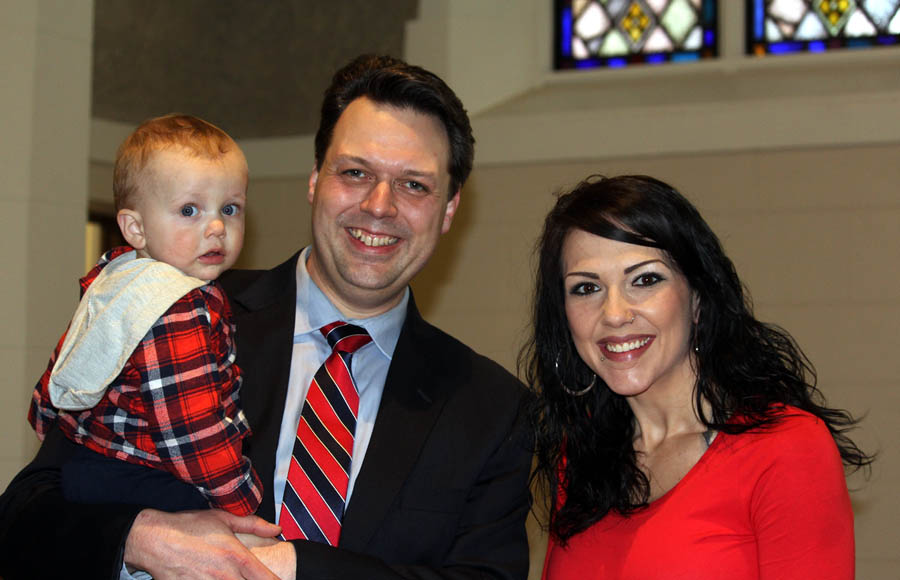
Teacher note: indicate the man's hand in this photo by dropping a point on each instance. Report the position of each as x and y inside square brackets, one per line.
[196, 545]
[280, 557]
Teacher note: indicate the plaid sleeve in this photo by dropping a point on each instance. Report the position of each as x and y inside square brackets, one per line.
[41, 412]
[190, 391]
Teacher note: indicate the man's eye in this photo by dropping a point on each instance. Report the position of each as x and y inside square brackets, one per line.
[648, 279]
[416, 186]
[189, 210]
[231, 209]
[354, 173]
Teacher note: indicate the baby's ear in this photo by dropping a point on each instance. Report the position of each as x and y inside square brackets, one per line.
[132, 227]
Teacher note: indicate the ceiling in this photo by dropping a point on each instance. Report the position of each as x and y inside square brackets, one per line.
[255, 68]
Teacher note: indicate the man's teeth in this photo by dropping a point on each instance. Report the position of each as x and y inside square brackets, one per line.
[626, 346]
[374, 241]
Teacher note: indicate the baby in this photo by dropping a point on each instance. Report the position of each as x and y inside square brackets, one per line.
[144, 379]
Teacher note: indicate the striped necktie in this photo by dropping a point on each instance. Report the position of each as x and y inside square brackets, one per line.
[316, 489]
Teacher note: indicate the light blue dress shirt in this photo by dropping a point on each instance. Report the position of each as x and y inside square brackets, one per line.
[369, 367]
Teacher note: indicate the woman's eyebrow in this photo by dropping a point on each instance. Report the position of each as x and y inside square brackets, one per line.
[631, 269]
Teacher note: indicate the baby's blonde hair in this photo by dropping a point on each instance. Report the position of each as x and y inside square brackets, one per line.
[195, 135]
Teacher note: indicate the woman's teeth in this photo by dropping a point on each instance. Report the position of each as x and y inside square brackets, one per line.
[626, 346]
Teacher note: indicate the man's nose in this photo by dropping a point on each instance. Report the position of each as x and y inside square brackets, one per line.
[379, 201]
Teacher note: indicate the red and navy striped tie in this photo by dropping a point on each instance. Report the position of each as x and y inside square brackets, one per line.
[316, 489]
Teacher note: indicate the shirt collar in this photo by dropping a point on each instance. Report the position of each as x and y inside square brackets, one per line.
[315, 310]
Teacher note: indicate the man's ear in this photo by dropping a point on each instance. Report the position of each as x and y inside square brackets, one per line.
[132, 227]
[313, 179]
[450, 211]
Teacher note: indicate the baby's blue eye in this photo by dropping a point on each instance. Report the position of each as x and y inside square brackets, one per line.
[230, 209]
[189, 211]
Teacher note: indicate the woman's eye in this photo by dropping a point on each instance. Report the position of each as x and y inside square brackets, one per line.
[584, 288]
[231, 209]
[189, 210]
[648, 279]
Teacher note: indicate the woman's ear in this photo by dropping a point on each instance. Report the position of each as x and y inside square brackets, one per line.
[132, 227]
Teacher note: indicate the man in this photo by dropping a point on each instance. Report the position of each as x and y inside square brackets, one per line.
[437, 482]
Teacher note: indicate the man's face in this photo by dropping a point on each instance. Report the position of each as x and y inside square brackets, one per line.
[379, 205]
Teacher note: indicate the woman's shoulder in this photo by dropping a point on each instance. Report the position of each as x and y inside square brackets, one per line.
[791, 432]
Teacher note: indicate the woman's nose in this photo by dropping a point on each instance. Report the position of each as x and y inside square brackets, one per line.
[616, 309]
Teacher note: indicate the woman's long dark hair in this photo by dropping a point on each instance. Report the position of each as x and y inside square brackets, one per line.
[744, 367]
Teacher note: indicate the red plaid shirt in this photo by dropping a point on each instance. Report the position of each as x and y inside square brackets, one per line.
[175, 404]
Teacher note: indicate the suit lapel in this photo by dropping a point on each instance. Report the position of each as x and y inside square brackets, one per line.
[264, 315]
[409, 408]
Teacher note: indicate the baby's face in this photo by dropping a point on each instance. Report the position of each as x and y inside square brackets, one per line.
[192, 210]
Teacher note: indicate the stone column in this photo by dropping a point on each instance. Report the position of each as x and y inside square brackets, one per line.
[45, 67]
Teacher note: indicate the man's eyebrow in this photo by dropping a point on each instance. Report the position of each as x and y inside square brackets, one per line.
[367, 163]
[351, 159]
[631, 269]
[417, 173]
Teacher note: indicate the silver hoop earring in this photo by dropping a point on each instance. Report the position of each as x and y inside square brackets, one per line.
[572, 392]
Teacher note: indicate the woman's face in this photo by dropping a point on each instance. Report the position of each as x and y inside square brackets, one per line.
[630, 314]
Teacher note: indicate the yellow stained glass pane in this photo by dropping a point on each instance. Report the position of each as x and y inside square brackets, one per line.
[636, 22]
[834, 13]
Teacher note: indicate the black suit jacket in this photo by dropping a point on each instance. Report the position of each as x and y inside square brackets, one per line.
[442, 492]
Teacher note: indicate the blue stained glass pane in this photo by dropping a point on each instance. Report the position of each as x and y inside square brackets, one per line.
[818, 26]
[786, 47]
[566, 32]
[684, 56]
[587, 63]
[816, 46]
[759, 19]
[579, 46]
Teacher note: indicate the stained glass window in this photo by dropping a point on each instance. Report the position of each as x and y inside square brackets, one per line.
[617, 33]
[783, 26]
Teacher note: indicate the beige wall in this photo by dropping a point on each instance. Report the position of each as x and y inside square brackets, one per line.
[795, 170]
[45, 56]
[815, 235]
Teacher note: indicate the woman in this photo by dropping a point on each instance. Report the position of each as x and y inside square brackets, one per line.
[685, 438]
